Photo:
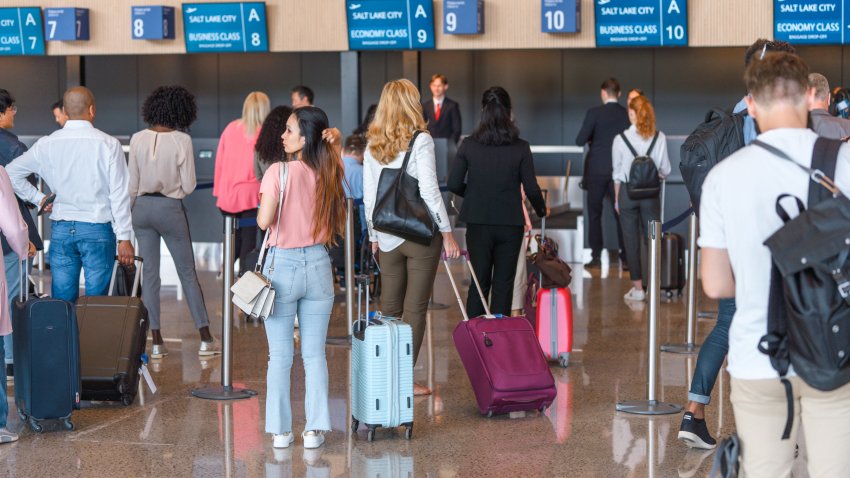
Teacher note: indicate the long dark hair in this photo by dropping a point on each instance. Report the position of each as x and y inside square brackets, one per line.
[324, 160]
[269, 146]
[497, 126]
[367, 120]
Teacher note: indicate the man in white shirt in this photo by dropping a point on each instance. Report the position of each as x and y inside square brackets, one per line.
[87, 171]
[737, 214]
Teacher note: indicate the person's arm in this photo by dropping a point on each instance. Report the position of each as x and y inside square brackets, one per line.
[718, 279]
[528, 179]
[457, 176]
[619, 155]
[12, 224]
[665, 168]
[457, 125]
[429, 188]
[585, 134]
[18, 171]
[119, 203]
[188, 180]
[370, 190]
[220, 153]
[269, 197]
[133, 171]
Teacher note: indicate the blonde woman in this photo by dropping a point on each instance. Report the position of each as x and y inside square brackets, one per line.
[235, 186]
[407, 268]
[635, 214]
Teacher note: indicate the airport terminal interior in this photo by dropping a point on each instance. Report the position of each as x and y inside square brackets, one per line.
[553, 75]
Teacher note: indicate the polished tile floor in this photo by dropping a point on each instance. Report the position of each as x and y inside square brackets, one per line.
[172, 434]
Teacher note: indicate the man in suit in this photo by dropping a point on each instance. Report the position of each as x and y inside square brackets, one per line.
[601, 125]
[823, 123]
[441, 113]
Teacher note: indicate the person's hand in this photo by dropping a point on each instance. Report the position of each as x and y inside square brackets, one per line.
[126, 253]
[48, 208]
[450, 246]
[31, 251]
[332, 136]
[527, 227]
[375, 248]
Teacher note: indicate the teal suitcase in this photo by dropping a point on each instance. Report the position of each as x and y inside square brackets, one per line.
[382, 375]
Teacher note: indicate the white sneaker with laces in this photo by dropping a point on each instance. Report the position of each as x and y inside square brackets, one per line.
[635, 294]
[283, 441]
[313, 439]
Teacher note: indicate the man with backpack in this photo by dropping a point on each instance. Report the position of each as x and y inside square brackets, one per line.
[720, 136]
[739, 212]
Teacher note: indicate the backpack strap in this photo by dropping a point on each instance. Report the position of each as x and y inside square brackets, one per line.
[631, 148]
[824, 159]
[815, 175]
[652, 144]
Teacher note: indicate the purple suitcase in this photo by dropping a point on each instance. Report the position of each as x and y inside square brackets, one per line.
[503, 359]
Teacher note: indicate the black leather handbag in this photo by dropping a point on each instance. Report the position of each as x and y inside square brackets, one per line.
[400, 209]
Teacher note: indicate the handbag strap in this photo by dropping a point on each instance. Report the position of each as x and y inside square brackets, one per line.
[283, 174]
[408, 153]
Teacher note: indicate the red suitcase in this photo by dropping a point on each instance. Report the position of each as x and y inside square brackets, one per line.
[554, 324]
[502, 358]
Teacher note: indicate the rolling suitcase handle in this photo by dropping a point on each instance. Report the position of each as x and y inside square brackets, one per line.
[465, 255]
[25, 277]
[136, 279]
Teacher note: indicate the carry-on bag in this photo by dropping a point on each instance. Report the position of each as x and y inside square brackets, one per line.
[553, 322]
[502, 358]
[673, 276]
[381, 371]
[113, 332]
[47, 358]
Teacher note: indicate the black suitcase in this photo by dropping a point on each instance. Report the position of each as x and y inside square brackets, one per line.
[47, 358]
[672, 263]
[113, 333]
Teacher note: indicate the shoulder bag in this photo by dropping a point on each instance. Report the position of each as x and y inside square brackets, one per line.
[253, 293]
[400, 209]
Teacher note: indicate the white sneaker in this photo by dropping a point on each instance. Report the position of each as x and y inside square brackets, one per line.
[7, 436]
[313, 439]
[635, 294]
[210, 348]
[283, 441]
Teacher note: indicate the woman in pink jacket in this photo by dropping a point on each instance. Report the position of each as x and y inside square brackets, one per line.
[13, 227]
[235, 186]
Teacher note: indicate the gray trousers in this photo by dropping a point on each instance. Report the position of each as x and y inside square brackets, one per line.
[634, 221]
[161, 217]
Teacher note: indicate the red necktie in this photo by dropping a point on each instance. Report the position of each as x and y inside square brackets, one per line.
[437, 112]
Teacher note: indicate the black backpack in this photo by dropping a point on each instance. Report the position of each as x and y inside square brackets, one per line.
[720, 135]
[808, 317]
[643, 175]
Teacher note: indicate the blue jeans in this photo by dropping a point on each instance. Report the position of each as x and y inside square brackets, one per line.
[75, 245]
[711, 354]
[303, 282]
[12, 265]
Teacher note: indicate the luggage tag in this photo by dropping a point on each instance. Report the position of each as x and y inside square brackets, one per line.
[146, 373]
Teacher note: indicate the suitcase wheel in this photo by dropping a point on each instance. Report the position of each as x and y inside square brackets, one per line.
[408, 432]
[370, 435]
[355, 424]
[564, 360]
[35, 426]
[542, 409]
[669, 294]
[68, 425]
[490, 414]
[127, 400]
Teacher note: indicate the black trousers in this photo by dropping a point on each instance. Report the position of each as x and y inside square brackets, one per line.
[246, 238]
[493, 251]
[597, 189]
[635, 215]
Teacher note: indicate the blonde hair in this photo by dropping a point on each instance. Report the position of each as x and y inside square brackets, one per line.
[398, 116]
[254, 111]
[645, 116]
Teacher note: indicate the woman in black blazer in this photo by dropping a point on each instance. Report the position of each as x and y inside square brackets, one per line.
[489, 168]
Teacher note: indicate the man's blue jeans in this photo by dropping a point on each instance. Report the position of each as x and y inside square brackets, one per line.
[81, 245]
[711, 354]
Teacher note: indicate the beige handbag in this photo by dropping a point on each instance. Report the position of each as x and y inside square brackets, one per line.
[253, 293]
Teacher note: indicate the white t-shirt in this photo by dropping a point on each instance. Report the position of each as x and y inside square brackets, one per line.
[622, 157]
[738, 213]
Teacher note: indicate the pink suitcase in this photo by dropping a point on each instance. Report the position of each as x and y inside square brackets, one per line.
[502, 358]
[554, 324]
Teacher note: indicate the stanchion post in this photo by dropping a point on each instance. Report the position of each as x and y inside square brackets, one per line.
[690, 346]
[651, 406]
[226, 391]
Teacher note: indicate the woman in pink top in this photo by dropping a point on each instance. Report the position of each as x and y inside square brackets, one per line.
[235, 186]
[13, 227]
[312, 216]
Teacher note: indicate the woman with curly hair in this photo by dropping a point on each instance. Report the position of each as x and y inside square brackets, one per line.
[162, 173]
[642, 138]
[269, 147]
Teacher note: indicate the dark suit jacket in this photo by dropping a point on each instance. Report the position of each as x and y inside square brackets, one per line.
[449, 125]
[601, 125]
[11, 148]
[488, 179]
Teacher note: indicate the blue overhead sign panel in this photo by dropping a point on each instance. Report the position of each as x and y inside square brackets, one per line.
[21, 32]
[66, 24]
[641, 22]
[815, 22]
[153, 22]
[225, 27]
[560, 16]
[390, 24]
[463, 17]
